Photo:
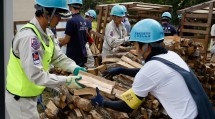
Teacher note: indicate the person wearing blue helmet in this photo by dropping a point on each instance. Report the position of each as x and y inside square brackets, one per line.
[169, 30]
[76, 34]
[33, 51]
[126, 21]
[165, 75]
[90, 15]
[115, 32]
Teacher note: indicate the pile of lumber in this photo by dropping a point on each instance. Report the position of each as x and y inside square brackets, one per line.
[76, 103]
[73, 103]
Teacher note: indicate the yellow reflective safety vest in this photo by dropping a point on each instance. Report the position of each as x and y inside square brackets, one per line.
[17, 81]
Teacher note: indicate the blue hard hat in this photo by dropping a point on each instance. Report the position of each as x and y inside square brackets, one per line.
[75, 2]
[124, 8]
[167, 14]
[61, 4]
[91, 13]
[147, 31]
[117, 10]
[179, 16]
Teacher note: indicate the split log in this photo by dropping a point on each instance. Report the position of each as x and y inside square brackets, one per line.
[85, 91]
[131, 62]
[78, 114]
[96, 115]
[90, 80]
[82, 103]
[110, 60]
[52, 108]
[124, 64]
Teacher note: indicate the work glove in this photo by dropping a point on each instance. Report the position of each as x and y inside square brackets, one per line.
[72, 82]
[108, 74]
[77, 69]
[98, 100]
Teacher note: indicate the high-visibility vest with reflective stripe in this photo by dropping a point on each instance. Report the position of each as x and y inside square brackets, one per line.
[17, 81]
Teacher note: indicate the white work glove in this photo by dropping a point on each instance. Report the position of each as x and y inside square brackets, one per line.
[72, 82]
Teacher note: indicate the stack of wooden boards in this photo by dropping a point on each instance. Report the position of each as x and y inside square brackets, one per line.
[72, 103]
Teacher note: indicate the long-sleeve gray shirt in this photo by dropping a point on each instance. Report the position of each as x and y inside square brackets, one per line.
[26, 43]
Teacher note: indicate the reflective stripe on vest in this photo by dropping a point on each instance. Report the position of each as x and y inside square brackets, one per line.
[17, 81]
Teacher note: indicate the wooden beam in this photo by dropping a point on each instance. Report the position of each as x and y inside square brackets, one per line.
[195, 31]
[196, 24]
[202, 16]
[196, 7]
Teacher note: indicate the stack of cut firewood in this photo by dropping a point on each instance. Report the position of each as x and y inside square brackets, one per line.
[72, 103]
[75, 103]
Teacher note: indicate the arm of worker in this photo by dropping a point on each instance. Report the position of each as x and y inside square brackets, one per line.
[60, 60]
[132, 98]
[112, 40]
[120, 70]
[120, 105]
[29, 49]
[65, 40]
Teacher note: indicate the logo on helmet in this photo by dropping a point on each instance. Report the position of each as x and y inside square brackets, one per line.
[142, 34]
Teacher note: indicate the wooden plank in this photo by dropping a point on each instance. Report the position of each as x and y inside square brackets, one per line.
[110, 60]
[99, 19]
[209, 28]
[196, 16]
[93, 81]
[85, 91]
[105, 20]
[196, 24]
[131, 62]
[97, 34]
[124, 64]
[194, 31]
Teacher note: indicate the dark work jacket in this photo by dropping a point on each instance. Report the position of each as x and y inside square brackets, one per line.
[205, 109]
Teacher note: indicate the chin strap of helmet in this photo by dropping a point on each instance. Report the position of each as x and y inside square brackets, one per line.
[49, 19]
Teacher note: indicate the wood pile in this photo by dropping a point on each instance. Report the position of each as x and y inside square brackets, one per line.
[75, 103]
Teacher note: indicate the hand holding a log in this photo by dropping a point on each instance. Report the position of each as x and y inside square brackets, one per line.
[72, 82]
[98, 100]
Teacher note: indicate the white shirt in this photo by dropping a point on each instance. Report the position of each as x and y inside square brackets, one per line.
[167, 85]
